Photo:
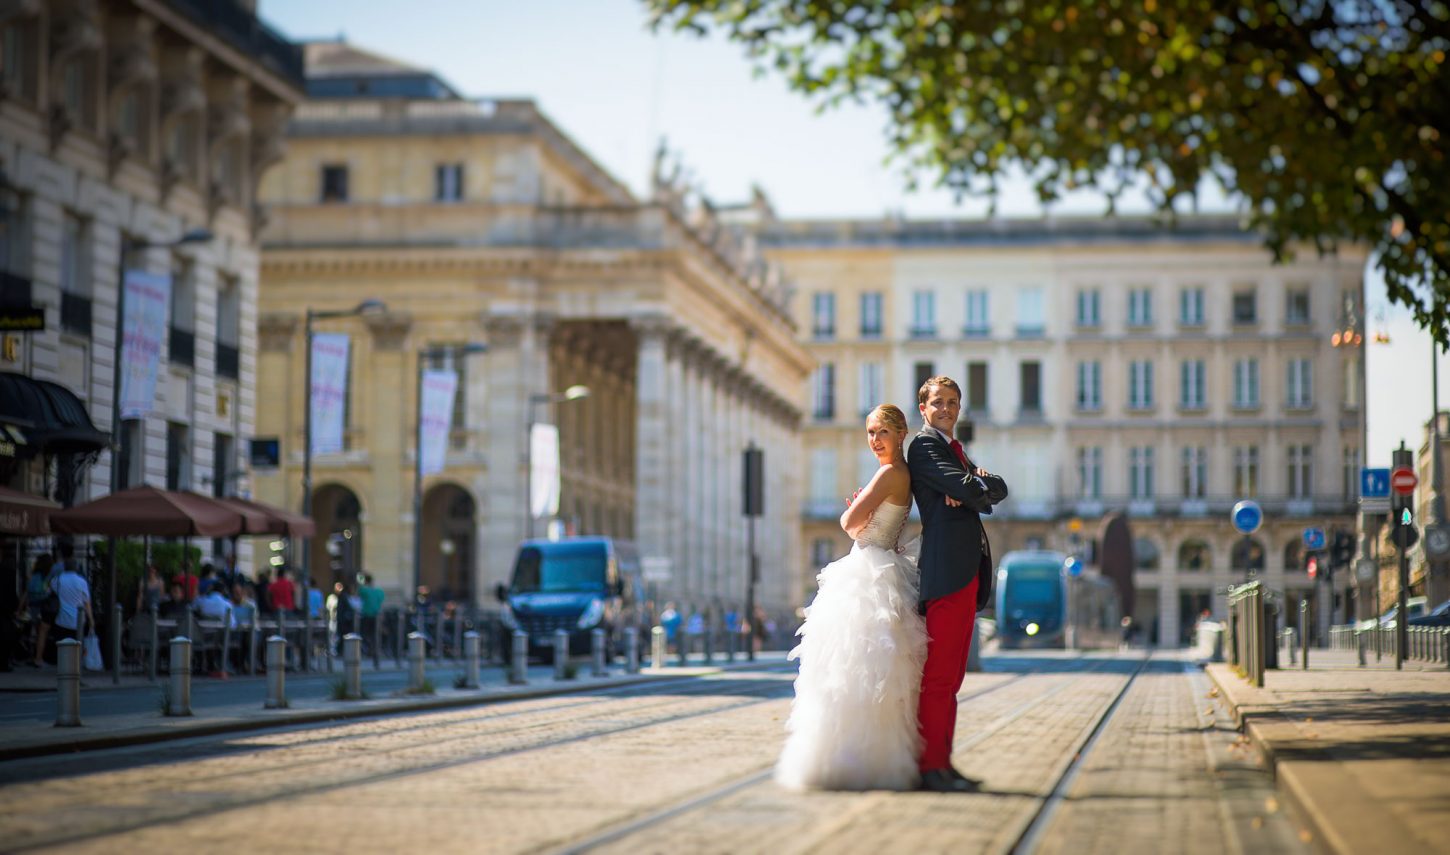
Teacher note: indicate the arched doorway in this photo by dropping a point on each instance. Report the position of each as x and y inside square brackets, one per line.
[337, 550]
[450, 553]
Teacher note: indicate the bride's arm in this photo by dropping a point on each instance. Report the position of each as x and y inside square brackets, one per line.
[859, 512]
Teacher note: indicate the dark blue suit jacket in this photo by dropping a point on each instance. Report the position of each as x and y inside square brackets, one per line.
[954, 548]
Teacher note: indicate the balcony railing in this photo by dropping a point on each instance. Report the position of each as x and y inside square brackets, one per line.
[228, 361]
[75, 313]
[183, 347]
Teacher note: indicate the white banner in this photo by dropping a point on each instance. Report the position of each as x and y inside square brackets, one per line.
[329, 391]
[147, 303]
[544, 471]
[439, 387]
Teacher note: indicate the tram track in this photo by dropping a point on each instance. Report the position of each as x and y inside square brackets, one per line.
[751, 692]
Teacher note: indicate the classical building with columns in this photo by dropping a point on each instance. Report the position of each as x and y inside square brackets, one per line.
[480, 222]
[123, 127]
[1106, 364]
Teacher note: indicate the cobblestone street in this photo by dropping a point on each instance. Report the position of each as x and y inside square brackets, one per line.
[682, 766]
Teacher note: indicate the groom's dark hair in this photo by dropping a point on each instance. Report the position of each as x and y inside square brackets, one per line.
[941, 380]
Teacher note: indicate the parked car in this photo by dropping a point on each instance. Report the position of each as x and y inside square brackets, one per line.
[1438, 616]
[1415, 606]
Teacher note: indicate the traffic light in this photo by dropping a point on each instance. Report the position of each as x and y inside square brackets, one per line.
[1341, 549]
[1404, 534]
[1311, 565]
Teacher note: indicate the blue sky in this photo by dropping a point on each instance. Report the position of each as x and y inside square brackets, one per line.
[616, 88]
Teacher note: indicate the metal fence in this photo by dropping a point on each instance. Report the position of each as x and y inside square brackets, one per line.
[1423, 643]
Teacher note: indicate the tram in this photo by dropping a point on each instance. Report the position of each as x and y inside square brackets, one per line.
[1039, 605]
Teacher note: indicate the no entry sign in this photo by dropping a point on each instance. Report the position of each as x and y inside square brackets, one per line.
[1403, 480]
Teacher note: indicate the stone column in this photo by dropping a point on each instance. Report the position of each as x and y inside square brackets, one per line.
[516, 366]
[388, 531]
[655, 504]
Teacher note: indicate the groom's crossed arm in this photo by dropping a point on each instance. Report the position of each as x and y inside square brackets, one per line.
[933, 463]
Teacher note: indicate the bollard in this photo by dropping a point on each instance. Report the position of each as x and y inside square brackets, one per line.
[519, 664]
[1360, 646]
[68, 683]
[1291, 637]
[1304, 635]
[352, 666]
[252, 632]
[282, 631]
[437, 637]
[631, 650]
[155, 640]
[709, 641]
[732, 636]
[682, 644]
[596, 651]
[118, 619]
[470, 658]
[561, 653]
[457, 636]
[417, 650]
[657, 648]
[276, 673]
[378, 641]
[180, 677]
[400, 635]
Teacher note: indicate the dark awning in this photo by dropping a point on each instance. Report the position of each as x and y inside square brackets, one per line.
[24, 514]
[38, 416]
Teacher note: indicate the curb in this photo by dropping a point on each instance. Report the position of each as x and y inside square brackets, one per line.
[183, 729]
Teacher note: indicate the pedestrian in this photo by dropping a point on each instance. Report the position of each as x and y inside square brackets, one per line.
[187, 580]
[261, 594]
[670, 620]
[41, 604]
[74, 593]
[371, 598]
[151, 591]
[215, 605]
[173, 607]
[244, 606]
[282, 594]
[207, 580]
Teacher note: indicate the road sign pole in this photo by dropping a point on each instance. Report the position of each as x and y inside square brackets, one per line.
[1403, 487]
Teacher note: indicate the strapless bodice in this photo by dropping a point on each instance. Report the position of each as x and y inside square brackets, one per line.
[885, 526]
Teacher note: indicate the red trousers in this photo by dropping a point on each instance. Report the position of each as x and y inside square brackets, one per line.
[949, 624]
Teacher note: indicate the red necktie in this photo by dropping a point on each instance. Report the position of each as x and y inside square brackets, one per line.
[956, 447]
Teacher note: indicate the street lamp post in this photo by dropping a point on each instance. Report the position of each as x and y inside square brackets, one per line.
[426, 353]
[573, 393]
[365, 307]
[118, 425]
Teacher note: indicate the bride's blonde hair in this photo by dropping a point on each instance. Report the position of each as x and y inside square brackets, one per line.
[890, 415]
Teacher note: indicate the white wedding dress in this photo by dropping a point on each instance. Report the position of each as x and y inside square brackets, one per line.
[853, 723]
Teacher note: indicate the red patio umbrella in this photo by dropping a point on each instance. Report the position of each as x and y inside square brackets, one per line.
[278, 520]
[150, 511]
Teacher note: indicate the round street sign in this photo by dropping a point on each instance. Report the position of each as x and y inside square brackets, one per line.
[1403, 480]
[1247, 516]
[1437, 542]
[1364, 570]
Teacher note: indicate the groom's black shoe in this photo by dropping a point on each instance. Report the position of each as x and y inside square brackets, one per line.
[971, 782]
[941, 781]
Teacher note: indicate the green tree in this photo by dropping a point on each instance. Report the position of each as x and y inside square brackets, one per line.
[1328, 117]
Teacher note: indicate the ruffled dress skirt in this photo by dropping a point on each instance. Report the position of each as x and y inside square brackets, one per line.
[853, 723]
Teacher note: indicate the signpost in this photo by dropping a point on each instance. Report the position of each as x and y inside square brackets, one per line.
[1403, 480]
[1247, 516]
[1374, 483]
[1314, 539]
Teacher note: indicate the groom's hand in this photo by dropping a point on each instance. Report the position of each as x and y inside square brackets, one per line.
[952, 503]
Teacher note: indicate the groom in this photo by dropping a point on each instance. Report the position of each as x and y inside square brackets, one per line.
[956, 571]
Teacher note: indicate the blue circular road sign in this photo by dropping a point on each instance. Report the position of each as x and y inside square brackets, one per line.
[1247, 516]
[1073, 566]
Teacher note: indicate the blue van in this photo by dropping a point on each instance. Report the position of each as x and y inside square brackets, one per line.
[578, 584]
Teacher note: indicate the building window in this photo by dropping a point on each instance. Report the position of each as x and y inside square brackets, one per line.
[872, 386]
[1089, 386]
[823, 477]
[1299, 386]
[132, 121]
[131, 458]
[1088, 308]
[183, 312]
[1090, 472]
[1140, 307]
[1031, 314]
[1195, 472]
[1140, 471]
[1246, 471]
[1031, 387]
[178, 456]
[821, 551]
[922, 372]
[182, 147]
[223, 464]
[1140, 384]
[978, 323]
[1300, 472]
[228, 327]
[334, 183]
[1193, 555]
[923, 314]
[823, 315]
[78, 92]
[14, 233]
[1245, 307]
[824, 392]
[1190, 307]
[75, 275]
[1246, 384]
[19, 58]
[1193, 375]
[871, 314]
[1296, 312]
[448, 182]
[1351, 474]
[976, 391]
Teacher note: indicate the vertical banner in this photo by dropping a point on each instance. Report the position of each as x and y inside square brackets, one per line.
[436, 418]
[329, 391]
[147, 299]
[544, 470]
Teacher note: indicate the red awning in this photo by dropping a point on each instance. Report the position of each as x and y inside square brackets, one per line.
[150, 511]
[278, 520]
[24, 514]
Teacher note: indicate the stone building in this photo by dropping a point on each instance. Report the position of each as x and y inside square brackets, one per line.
[481, 222]
[1106, 364]
[123, 126]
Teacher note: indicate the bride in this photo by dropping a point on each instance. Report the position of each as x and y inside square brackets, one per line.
[853, 724]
